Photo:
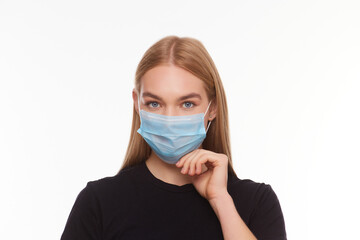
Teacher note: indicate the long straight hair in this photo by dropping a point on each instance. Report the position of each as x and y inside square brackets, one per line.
[190, 55]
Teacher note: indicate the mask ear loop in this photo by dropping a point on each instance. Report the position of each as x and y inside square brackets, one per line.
[139, 104]
[208, 126]
[139, 108]
[205, 114]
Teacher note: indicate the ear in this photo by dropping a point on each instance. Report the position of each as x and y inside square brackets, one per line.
[212, 110]
[135, 99]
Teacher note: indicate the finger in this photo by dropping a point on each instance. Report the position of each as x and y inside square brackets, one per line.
[183, 159]
[210, 160]
[186, 164]
[188, 160]
[202, 157]
[179, 163]
[215, 159]
[198, 161]
[192, 167]
[199, 167]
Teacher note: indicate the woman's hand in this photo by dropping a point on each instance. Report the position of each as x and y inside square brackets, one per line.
[211, 184]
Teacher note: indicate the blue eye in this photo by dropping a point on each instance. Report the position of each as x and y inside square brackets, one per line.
[188, 104]
[153, 104]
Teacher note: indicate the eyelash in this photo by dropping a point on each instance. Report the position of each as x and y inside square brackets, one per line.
[148, 103]
[151, 102]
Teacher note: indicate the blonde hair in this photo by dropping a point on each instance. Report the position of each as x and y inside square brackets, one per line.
[190, 55]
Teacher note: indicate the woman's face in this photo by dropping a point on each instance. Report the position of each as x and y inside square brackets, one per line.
[173, 91]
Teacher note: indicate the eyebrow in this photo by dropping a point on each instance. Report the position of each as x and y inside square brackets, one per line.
[191, 95]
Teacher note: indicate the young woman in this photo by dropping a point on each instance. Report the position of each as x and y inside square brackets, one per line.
[177, 179]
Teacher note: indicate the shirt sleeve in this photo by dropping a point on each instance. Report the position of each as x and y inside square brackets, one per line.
[84, 219]
[267, 220]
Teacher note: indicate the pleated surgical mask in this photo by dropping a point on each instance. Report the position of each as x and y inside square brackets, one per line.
[172, 137]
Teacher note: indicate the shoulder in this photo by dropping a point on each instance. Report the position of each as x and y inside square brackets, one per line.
[105, 190]
[125, 179]
[96, 198]
[260, 207]
[253, 194]
[248, 187]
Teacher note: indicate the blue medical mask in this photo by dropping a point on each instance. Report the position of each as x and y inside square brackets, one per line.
[172, 137]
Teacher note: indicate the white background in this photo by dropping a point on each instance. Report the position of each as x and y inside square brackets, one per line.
[290, 71]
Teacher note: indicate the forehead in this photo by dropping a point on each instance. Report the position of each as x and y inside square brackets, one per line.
[171, 81]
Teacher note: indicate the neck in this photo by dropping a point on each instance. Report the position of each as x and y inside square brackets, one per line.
[168, 173]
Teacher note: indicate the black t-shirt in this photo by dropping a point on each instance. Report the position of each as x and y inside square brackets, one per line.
[135, 205]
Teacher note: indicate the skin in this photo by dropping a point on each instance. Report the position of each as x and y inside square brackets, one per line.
[173, 91]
